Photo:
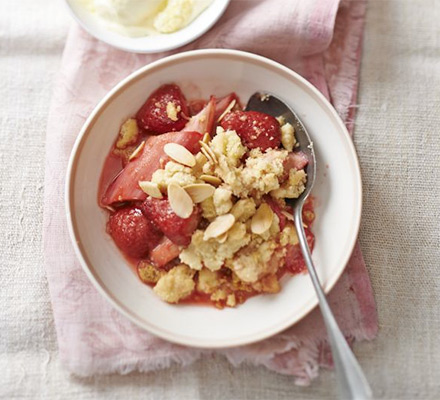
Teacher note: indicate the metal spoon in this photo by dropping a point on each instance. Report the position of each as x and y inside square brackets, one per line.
[351, 380]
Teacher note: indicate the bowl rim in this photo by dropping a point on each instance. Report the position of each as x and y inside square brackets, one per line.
[134, 49]
[70, 210]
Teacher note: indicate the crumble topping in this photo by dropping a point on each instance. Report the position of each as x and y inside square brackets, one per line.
[128, 134]
[288, 136]
[211, 253]
[172, 111]
[293, 187]
[177, 284]
[240, 244]
[257, 176]
[251, 246]
[222, 200]
[173, 173]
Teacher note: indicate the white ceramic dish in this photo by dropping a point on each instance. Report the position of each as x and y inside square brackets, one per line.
[149, 44]
[337, 190]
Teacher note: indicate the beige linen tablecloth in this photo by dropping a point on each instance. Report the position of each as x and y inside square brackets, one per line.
[398, 142]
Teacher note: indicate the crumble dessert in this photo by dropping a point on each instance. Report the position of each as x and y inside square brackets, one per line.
[196, 198]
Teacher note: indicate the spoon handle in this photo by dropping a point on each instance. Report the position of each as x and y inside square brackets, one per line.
[351, 380]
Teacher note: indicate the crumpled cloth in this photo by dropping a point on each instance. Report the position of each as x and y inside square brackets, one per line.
[320, 39]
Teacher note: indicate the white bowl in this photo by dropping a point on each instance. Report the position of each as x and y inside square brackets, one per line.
[149, 44]
[337, 190]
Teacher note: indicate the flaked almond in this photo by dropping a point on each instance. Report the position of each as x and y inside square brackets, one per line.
[287, 215]
[110, 208]
[222, 238]
[206, 138]
[201, 160]
[150, 188]
[180, 154]
[213, 180]
[207, 155]
[262, 219]
[200, 191]
[180, 201]
[219, 226]
[209, 151]
[228, 109]
[137, 151]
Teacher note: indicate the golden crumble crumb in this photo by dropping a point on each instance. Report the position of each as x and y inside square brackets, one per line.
[288, 136]
[212, 254]
[252, 262]
[231, 300]
[149, 273]
[243, 209]
[208, 208]
[207, 281]
[292, 187]
[222, 201]
[172, 111]
[128, 134]
[267, 284]
[177, 284]
[173, 173]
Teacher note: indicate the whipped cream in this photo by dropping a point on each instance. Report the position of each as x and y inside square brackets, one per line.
[137, 18]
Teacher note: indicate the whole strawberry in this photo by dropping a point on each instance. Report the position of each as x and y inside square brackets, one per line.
[256, 129]
[132, 232]
[178, 230]
[164, 111]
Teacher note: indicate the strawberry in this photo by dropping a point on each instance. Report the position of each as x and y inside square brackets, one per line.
[256, 129]
[164, 252]
[153, 116]
[132, 232]
[178, 230]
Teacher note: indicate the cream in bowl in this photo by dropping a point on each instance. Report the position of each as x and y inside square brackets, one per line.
[136, 18]
[149, 26]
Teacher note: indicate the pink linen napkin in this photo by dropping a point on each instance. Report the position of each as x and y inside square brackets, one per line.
[321, 39]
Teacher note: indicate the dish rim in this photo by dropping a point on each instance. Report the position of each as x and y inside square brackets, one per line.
[70, 209]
